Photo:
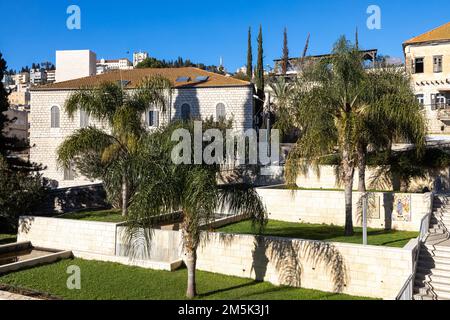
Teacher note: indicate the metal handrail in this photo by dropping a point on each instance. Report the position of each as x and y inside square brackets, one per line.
[407, 291]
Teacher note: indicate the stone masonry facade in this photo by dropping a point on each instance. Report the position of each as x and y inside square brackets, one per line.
[238, 101]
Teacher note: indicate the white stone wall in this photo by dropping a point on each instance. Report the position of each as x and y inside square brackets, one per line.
[369, 271]
[238, 102]
[326, 179]
[74, 64]
[65, 234]
[328, 207]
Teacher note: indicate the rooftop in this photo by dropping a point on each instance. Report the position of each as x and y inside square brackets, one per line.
[196, 78]
[441, 33]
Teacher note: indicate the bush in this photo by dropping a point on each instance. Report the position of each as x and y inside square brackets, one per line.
[19, 193]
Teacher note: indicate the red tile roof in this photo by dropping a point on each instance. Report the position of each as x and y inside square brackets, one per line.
[135, 76]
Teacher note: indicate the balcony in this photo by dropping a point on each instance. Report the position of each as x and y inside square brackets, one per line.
[443, 111]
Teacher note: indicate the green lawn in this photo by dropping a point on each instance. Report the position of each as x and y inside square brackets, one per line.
[112, 215]
[7, 238]
[378, 237]
[103, 280]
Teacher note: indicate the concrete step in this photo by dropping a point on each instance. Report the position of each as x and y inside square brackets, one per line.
[434, 291]
[427, 271]
[439, 253]
[434, 263]
[437, 231]
[424, 297]
[435, 247]
[432, 278]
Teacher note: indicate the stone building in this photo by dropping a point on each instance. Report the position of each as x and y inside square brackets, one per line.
[196, 93]
[427, 59]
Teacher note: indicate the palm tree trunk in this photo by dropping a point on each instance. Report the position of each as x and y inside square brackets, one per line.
[190, 251]
[348, 172]
[191, 262]
[124, 196]
[362, 168]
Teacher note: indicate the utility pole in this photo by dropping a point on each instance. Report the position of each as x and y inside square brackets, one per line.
[364, 216]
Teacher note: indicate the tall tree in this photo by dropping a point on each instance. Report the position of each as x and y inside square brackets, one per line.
[327, 113]
[249, 55]
[260, 65]
[4, 104]
[393, 115]
[259, 75]
[192, 189]
[285, 57]
[115, 149]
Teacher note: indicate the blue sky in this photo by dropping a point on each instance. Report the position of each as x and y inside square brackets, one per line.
[205, 30]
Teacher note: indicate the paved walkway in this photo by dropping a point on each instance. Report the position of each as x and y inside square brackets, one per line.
[4, 295]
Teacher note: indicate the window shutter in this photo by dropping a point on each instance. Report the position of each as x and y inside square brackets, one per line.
[413, 65]
[433, 101]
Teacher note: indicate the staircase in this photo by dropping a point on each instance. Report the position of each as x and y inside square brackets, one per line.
[432, 280]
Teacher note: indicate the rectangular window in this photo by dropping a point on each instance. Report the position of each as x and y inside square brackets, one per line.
[153, 118]
[418, 65]
[440, 100]
[437, 64]
[421, 99]
[69, 173]
[84, 119]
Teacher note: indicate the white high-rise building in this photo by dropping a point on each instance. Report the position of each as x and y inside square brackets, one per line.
[139, 57]
[74, 64]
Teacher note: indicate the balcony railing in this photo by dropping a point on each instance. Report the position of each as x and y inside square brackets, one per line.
[443, 110]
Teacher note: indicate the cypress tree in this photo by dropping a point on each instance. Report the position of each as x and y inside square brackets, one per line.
[285, 58]
[260, 66]
[249, 55]
[9, 146]
[4, 104]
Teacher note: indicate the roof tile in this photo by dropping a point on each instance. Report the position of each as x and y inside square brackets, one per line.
[135, 76]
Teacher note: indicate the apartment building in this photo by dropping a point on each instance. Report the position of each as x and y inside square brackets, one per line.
[138, 57]
[38, 76]
[104, 65]
[427, 59]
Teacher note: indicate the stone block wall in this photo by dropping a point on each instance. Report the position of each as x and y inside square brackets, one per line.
[367, 271]
[238, 103]
[65, 234]
[328, 207]
[326, 179]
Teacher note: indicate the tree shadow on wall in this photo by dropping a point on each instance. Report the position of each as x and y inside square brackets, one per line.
[288, 256]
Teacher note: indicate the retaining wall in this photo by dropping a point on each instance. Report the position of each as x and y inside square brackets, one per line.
[335, 267]
[328, 207]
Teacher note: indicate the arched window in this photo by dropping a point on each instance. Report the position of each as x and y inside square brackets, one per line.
[54, 117]
[185, 111]
[221, 113]
[84, 119]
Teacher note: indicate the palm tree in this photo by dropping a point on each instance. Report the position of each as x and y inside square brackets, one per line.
[192, 189]
[393, 115]
[326, 103]
[122, 111]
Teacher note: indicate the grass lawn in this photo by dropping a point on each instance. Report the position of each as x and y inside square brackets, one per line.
[104, 280]
[112, 215]
[377, 237]
[7, 238]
